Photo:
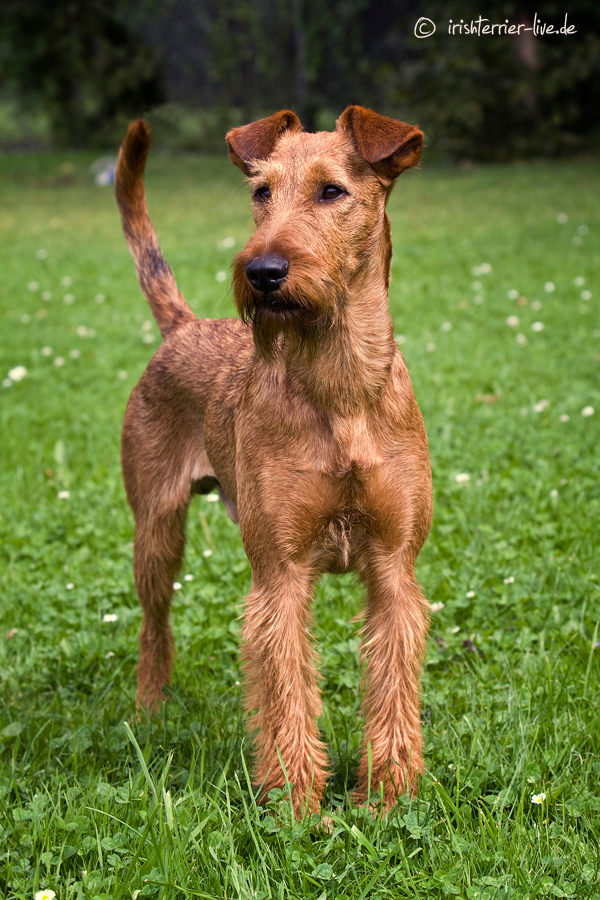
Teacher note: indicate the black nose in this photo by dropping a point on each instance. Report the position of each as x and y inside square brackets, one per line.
[267, 273]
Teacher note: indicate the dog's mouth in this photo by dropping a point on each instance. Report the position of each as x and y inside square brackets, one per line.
[277, 302]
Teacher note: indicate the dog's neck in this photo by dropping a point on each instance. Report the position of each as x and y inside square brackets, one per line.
[345, 371]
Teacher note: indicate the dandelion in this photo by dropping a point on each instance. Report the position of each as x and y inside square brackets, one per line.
[33, 286]
[540, 406]
[177, 585]
[512, 321]
[587, 411]
[58, 362]
[509, 580]
[521, 340]
[18, 373]
[537, 326]
[562, 218]
[513, 294]
[586, 295]
[538, 798]
[549, 287]
[63, 495]
[462, 478]
[446, 326]
[430, 347]
[41, 253]
[110, 617]
[46, 295]
[579, 281]
[212, 498]
[583, 230]
[188, 577]
[221, 276]
[437, 606]
[470, 594]
[565, 417]
[207, 553]
[45, 895]
[66, 281]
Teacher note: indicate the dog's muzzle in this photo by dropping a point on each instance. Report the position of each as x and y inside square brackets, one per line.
[267, 273]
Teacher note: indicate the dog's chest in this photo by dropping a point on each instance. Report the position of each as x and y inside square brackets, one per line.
[352, 448]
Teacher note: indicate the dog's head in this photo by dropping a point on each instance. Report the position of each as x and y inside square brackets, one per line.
[319, 206]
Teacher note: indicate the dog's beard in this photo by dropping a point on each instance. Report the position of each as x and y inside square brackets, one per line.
[291, 320]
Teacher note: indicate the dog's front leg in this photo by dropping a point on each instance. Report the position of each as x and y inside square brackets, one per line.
[394, 645]
[282, 685]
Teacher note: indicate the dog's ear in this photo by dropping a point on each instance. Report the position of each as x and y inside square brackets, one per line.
[388, 146]
[257, 140]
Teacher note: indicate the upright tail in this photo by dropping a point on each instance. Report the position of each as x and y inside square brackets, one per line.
[154, 275]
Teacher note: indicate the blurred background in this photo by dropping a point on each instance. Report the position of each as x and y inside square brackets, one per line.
[73, 72]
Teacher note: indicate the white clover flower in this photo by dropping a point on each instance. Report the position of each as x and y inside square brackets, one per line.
[562, 218]
[66, 281]
[147, 325]
[212, 498]
[69, 298]
[188, 577]
[521, 340]
[456, 629]
[509, 580]
[462, 478]
[537, 326]
[46, 295]
[63, 495]
[587, 411]
[207, 553]
[148, 338]
[583, 229]
[33, 286]
[70, 586]
[100, 298]
[74, 353]
[221, 276]
[565, 417]
[41, 253]
[536, 306]
[579, 281]
[58, 362]
[586, 295]
[430, 347]
[554, 493]
[477, 299]
[110, 617]
[177, 585]
[513, 294]
[477, 285]
[25, 319]
[227, 243]
[540, 406]
[538, 798]
[7, 382]
[122, 374]
[46, 351]
[513, 321]
[400, 338]
[437, 606]
[446, 326]
[45, 895]
[18, 373]
[470, 594]
[549, 287]
[577, 240]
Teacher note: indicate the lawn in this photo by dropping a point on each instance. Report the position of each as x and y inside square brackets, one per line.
[495, 299]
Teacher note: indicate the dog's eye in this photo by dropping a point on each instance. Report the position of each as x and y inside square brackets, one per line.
[262, 193]
[331, 192]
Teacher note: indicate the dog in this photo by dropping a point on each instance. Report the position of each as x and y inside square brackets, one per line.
[302, 415]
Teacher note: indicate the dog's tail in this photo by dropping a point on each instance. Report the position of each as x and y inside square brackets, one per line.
[154, 275]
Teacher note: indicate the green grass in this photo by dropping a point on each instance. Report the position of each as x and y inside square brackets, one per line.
[91, 809]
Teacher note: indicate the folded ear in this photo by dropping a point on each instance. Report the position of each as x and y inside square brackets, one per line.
[388, 146]
[258, 140]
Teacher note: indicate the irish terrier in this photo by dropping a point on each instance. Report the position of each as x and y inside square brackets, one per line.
[302, 415]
